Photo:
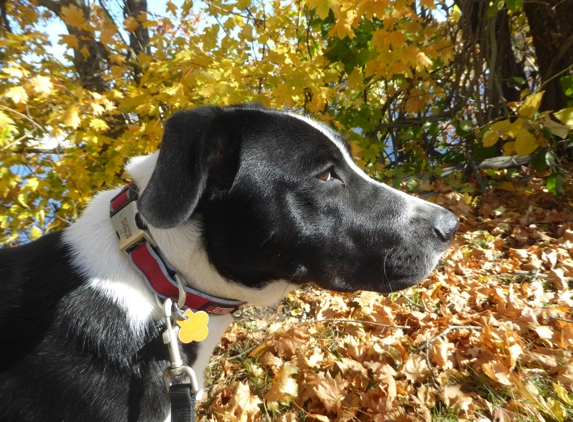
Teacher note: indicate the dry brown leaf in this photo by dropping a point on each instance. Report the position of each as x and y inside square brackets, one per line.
[565, 376]
[286, 344]
[312, 417]
[330, 391]
[415, 369]
[504, 415]
[242, 405]
[351, 366]
[442, 353]
[454, 396]
[272, 361]
[497, 371]
[288, 417]
[284, 388]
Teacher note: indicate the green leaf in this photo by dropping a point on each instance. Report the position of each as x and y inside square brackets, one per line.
[567, 85]
[514, 5]
[555, 183]
[517, 80]
[464, 128]
[549, 158]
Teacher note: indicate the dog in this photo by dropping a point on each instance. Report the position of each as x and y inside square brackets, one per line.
[240, 204]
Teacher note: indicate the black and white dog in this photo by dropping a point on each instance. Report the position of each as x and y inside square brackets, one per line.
[246, 204]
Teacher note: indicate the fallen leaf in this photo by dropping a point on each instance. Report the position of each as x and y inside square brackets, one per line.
[284, 388]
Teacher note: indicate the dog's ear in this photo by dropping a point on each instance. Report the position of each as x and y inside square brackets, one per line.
[182, 168]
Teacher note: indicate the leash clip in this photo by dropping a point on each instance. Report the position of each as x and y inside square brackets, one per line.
[176, 373]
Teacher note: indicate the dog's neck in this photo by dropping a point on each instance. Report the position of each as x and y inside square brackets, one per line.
[94, 240]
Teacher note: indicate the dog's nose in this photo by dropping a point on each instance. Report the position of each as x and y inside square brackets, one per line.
[445, 226]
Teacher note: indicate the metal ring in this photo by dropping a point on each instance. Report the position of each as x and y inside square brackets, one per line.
[182, 293]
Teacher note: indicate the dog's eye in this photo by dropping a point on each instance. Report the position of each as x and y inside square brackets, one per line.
[325, 176]
[329, 175]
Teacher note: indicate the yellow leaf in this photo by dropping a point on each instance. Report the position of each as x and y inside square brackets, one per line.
[490, 138]
[507, 186]
[42, 84]
[531, 105]
[99, 125]
[5, 121]
[556, 128]
[565, 116]
[324, 6]
[497, 130]
[71, 40]
[508, 148]
[32, 184]
[35, 232]
[130, 24]
[18, 94]
[107, 34]
[23, 200]
[73, 16]
[515, 128]
[525, 143]
[244, 406]
[562, 393]
[15, 70]
[71, 117]
[171, 8]
[330, 391]
[243, 4]
[355, 79]
[423, 61]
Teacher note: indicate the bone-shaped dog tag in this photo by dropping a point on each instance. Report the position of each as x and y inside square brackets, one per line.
[194, 327]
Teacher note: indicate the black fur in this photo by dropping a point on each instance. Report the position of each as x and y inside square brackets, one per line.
[67, 354]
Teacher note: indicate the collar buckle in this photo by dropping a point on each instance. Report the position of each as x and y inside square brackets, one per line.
[125, 223]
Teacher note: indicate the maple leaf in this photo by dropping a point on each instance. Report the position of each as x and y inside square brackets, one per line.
[18, 94]
[454, 396]
[330, 391]
[42, 84]
[71, 117]
[284, 388]
[243, 405]
[130, 24]
[324, 6]
[99, 125]
[415, 368]
[73, 16]
[287, 343]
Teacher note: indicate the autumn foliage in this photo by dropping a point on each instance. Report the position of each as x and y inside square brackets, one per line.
[426, 91]
[489, 335]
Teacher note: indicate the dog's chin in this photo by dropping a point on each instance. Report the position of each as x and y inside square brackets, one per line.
[384, 285]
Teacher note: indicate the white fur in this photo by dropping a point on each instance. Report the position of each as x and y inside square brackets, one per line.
[412, 201]
[96, 255]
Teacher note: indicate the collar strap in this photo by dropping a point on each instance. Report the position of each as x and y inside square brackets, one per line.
[138, 244]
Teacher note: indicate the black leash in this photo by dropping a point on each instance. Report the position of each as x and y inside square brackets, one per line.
[182, 403]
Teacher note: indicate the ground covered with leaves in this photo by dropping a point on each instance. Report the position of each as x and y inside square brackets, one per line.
[487, 337]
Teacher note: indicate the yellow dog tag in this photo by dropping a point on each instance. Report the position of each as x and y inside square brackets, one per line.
[194, 328]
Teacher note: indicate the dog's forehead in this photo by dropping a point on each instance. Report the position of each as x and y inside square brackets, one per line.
[294, 136]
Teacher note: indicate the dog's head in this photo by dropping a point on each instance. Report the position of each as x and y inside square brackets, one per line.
[279, 198]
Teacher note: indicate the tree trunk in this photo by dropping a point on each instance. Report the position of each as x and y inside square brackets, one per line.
[493, 36]
[138, 39]
[90, 66]
[551, 26]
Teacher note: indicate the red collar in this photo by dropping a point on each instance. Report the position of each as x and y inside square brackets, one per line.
[137, 242]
